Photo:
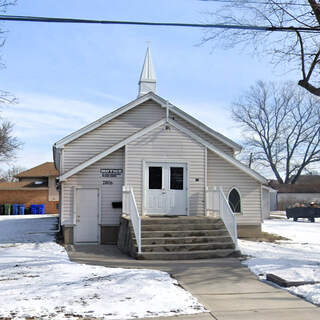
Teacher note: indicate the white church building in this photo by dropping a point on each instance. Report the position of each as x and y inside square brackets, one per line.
[149, 158]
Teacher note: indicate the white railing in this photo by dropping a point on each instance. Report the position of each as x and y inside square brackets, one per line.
[129, 207]
[218, 206]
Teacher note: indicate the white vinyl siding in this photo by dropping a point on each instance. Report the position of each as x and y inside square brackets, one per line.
[90, 178]
[163, 145]
[222, 174]
[219, 144]
[112, 132]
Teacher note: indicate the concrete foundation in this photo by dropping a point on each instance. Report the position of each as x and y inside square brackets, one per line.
[67, 233]
[125, 242]
[109, 234]
[249, 231]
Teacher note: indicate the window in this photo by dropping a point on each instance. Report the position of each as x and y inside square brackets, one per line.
[155, 177]
[235, 201]
[176, 178]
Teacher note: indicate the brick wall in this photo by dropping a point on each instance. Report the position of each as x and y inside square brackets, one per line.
[29, 197]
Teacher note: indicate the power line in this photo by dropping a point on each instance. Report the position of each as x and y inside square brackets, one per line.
[159, 24]
[261, 2]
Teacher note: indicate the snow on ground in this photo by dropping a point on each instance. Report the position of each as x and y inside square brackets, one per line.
[37, 279]
[297, 259]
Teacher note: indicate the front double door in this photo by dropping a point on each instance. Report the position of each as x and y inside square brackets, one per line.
[166, 188]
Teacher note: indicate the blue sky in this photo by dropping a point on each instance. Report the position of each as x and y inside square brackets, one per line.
[66, 76]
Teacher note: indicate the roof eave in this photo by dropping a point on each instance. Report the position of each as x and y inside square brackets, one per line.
[233, 145]
[71, 137]
[163, 103]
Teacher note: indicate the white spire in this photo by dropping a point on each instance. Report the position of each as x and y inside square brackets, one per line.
[147, 81]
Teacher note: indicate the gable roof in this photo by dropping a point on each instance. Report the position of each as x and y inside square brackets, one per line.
[12, 185]
[22, 185]
[144, 131]
[46, 169]
[296, 188]
[309, 179]
[114, 148]
[163, 103]
[299, 188]
[220, 153]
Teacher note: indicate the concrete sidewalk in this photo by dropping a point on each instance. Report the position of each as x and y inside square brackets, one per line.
[226, 287]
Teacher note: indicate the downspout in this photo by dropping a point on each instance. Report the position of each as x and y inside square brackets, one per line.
[60, 150]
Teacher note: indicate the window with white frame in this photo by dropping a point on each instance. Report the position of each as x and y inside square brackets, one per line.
[235, 200]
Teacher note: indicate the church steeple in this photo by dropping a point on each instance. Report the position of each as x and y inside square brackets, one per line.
[147, 81]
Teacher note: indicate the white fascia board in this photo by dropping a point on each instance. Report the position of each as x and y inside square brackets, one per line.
[56, 157]
[110, 150]
[61, 143]
[163, 103]
[220, 153]
[206, 129]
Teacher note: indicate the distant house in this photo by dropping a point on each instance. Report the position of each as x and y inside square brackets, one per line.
[35, 186]
[311, 179]
[162, 162]
[306, 190]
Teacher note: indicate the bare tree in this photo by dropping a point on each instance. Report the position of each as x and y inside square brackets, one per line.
[281, 125]
[300, 48]
[9, 174]
[8, 143]
[4, 4]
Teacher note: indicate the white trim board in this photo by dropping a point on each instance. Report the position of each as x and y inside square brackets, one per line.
[220, 153]
[146, 130]
[185, 116]
[71, 137]
[114, 148]
[164, 103]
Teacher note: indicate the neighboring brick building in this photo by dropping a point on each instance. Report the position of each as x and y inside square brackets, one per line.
[35, 186]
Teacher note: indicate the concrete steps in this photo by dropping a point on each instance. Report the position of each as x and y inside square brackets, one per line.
[190, 255]
[178, 219]
[182, 238]
[187, 247]
[182, 227]
[185, 233]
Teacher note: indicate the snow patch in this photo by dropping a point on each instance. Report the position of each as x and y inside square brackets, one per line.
[37, 279]
[297, 259]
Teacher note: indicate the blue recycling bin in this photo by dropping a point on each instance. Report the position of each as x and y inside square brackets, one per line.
[41, 209]
[33, 209]
[15, 209]
[21, 209]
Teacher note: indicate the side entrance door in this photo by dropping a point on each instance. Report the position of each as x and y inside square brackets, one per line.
[87, 210]
[166, 188]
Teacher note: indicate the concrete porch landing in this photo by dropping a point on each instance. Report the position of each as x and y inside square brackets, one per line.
[226, 287]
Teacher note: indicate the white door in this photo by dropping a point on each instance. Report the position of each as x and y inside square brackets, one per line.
[87, 210]
[166, 188]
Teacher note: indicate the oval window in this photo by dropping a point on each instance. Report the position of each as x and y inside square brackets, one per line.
[234, 200]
